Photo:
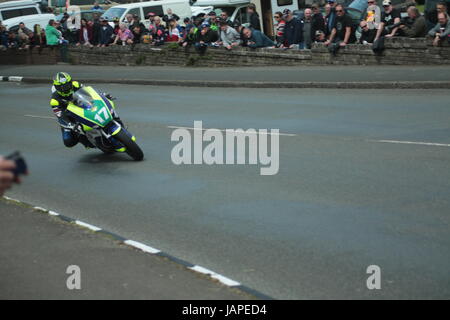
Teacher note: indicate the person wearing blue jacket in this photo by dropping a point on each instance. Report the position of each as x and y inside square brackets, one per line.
[105, 33]
[257, 39]
[293, 30]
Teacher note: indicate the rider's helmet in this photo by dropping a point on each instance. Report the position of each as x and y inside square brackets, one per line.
[63, 84]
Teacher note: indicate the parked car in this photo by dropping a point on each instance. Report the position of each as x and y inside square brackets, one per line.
[142, 9]
[29, 12]
[85, 14]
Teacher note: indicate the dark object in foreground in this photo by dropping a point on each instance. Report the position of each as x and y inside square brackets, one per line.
[21, 165]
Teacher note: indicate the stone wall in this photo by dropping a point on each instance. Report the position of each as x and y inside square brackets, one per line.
[399, 51]
[34, 56]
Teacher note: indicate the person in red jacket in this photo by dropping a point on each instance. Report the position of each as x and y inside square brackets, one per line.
[85, 35]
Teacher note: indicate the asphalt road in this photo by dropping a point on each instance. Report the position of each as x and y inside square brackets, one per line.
[340, 202]
[271, 74]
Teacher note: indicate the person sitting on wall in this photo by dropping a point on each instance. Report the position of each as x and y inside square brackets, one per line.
[229, 37]
[343, 31]
[390, 19]
[441, 31]
[416, 26]
[85, 34]
[124, 36]
[173, 32]
[257, 39]
[205, 38]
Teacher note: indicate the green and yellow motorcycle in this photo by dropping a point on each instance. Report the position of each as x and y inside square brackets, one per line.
[93, 115]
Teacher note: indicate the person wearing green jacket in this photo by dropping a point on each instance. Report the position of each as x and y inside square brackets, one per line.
[54, 38]
[52, 34]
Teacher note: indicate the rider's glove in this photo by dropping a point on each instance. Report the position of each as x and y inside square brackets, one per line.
[57, 112]
[109, 96]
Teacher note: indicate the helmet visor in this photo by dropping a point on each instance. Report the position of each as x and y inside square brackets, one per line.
[64, 88]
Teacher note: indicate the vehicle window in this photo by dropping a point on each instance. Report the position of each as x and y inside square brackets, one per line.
[158, 10]
[301, 4]
[229, 10]
[135, 11]
[12, 13]
[87, 15]
[82, 2]
[14, 28]
[113, 13]
[284, 2]
[243, 15]
[29, 11]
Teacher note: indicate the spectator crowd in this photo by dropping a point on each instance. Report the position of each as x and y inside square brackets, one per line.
[331, 25]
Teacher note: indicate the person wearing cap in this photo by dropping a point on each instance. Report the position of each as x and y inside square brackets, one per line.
[191, 34]
[229, 37]
[116, 27]
[137, 22]
[389, 17]
[442, 29]
[293, 31]
[151, 19]
[257, 39]
[205, 38]
[106, 33]
[330, 16]
[213, 22]
[343, 31]
[318, 21]
[253, 17]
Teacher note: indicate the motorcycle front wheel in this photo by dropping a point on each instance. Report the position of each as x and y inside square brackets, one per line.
[132, 149]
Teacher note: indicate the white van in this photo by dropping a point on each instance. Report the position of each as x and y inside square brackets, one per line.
[26, 11]
[179, 7]
[236, 9]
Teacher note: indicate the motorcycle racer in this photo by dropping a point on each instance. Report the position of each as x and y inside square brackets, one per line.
[62, 94]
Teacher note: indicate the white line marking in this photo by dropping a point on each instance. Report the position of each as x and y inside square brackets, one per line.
[222, 130]
[413, 142]
[142, 246]
[41, 117]
[15, 79]
[214, 275]
[87, 225]
[226, 281]
[202, 270]
[10, 199]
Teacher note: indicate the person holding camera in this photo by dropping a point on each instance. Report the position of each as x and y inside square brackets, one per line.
[7, 177]
[442, 29]
[416, 26]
